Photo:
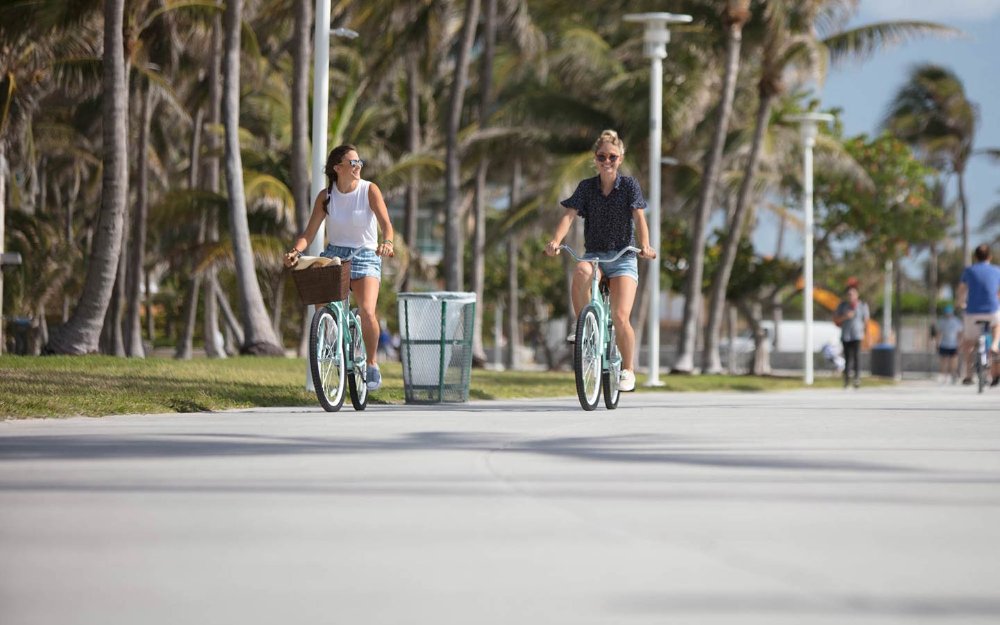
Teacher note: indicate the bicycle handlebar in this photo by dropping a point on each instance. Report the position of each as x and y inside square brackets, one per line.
[576, 257]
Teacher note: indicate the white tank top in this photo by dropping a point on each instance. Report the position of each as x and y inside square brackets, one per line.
[350, 221]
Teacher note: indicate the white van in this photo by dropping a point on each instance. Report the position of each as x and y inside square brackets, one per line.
[791, 336]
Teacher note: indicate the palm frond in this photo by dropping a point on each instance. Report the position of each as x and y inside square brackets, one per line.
[861, 43]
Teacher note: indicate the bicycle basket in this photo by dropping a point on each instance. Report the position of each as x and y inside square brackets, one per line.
[319, 285]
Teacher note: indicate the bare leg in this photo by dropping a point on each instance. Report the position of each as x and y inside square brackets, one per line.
[366, 297]
[581, 287]
[623, 290]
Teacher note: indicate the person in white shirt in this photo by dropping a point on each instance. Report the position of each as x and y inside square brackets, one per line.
[947, 332]
[356, 211]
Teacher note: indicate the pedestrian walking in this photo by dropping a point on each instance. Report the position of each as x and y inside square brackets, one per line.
[947, 331]
[852, 317]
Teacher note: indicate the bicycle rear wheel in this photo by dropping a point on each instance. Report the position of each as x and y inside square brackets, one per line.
[356, 381]
[611, 375]
[326, 358]
[982, 366]
[587, 358]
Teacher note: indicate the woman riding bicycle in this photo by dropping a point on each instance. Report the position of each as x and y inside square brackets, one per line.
[612, 209]
[353, 206]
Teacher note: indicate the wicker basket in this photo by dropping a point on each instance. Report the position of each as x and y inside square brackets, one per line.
[319, 285]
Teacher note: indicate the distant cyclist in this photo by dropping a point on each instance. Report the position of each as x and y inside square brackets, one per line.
[979, 291]
[613, 217]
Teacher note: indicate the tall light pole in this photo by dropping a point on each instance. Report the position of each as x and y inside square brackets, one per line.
[655, 47]
[320, 121]
[808, 128]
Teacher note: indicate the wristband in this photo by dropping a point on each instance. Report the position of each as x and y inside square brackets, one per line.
[387, 241]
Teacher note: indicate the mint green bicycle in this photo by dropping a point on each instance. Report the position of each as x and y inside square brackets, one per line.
[337, 354]
[596, 359]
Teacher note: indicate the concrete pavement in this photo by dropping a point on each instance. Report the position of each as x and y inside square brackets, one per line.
[876, 506]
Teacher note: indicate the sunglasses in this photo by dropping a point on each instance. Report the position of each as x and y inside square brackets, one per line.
[356, 162]
[606, 157]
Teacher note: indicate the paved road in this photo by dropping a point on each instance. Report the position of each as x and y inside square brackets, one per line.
[877, 506]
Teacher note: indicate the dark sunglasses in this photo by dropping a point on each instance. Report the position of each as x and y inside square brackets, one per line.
[606, 157]
[356, 162]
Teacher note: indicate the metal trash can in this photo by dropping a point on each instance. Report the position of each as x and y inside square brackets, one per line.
[435, 331]
[883, 360]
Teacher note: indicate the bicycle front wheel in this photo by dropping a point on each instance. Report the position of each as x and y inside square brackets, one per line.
[326, 358]
[613, 372]
[587, 358]
[356, 382]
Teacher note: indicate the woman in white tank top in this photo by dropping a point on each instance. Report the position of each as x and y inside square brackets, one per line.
[356, 212]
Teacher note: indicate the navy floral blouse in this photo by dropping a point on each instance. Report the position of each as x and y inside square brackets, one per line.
[607, 220]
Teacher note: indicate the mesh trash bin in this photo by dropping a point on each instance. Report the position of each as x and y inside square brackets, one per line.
[883, 361]
[435, 331]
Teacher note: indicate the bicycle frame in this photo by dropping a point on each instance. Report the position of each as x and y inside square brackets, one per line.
[600, 302]
[349, 355]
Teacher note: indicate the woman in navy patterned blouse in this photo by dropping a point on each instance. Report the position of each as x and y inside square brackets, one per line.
[613, 218]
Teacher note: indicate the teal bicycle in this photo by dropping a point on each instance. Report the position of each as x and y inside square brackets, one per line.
[597, 362]
[982, 355]
[337, 355]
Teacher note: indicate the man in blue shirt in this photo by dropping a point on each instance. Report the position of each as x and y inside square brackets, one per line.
[980, 291]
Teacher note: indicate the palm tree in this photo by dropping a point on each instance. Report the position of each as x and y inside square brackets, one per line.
[789, 42]
[80, 334]
[482, 170]
[259, 336]
[454, 232]
[734, 16]
[932, 113]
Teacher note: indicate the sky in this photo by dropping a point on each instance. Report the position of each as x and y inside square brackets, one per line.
[863, 90]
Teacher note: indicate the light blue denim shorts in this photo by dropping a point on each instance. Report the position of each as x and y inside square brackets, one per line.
[627, 265]
[367, 264]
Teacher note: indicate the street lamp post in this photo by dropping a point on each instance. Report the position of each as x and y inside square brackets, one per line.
[321, 104]
[808, 126]
[655, 47]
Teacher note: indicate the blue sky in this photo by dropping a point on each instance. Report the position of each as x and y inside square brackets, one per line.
[864, 90]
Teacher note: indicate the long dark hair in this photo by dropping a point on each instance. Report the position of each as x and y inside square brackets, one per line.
[336, 155]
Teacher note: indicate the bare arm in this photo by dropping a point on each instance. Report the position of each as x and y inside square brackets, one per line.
[562, 229]
[962, 295]
[375, 200]
[642, 233]
[312, 227]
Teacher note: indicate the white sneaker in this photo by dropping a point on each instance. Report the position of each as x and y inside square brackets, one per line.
[373, 378]
[626, 381]
[571, 338]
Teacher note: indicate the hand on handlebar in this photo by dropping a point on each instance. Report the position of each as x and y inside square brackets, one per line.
[551, 248]
[647, 252]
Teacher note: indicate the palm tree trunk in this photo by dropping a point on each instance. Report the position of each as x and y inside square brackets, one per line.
[479, 239]
[137, 249]
[413, 145]
[735, 16]
[232, 323]
[3, 215]
[454, 231]
[211, 182]
[258, 337]
[966, 250]
[185, 344]
[81, 333]
[513, 279]
[734, 234]
[301, 59]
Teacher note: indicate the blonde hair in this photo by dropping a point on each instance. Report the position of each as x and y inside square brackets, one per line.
[610, 136]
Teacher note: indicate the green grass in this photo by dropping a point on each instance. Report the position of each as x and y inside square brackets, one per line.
[60, 386]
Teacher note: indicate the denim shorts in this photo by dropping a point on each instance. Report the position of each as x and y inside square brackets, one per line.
[627, 265]
[366, 264]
